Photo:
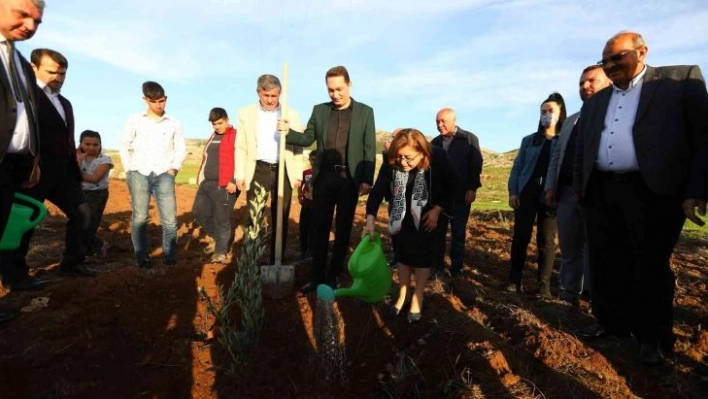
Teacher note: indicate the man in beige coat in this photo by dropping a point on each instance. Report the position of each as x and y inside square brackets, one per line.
[257, 144]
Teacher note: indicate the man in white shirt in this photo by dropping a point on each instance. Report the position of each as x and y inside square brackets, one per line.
[257, 145]
[152, 151]
[19, 20]
[61, 181]
[637, 173]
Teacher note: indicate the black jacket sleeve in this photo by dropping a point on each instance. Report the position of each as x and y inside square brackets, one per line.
[443, 181]
[381, 189]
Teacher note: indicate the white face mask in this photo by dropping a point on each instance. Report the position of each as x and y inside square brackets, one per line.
[549, 119]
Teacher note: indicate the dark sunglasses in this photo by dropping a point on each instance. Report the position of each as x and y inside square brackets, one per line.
[613, 58]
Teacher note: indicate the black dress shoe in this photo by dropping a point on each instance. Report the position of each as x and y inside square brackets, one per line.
[592, 332]
[651, 354]
[29, 285]
[7, 316]
[144, 263]
[395, 311]
[77, 270]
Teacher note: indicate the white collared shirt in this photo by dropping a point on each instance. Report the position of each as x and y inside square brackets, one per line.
[54, 98]
[268, 135]
[616, 152]
[152, 146]
[20, 138]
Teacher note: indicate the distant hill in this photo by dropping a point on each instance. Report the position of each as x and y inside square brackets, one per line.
[499, 159]
[491, 158]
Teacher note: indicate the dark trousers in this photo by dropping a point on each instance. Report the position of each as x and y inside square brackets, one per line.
[458, 230]
[533, 210]
[14, 169]
[97, 200]
[213, 207]
[631, 234]
[267, 177]
[305, 226]
[331, 190]
[63, 189]
[573, 276]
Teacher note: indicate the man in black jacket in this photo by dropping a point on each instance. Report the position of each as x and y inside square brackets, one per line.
[60, 182]
[465, 155]
[638, 176]
[19, 152]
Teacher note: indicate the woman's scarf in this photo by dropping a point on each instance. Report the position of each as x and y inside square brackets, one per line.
[418, 201]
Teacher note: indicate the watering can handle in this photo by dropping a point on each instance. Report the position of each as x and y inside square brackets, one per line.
[376, 240]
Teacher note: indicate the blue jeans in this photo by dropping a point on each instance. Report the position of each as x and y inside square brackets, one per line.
[162, 187]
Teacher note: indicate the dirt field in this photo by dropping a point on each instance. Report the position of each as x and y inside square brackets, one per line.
[133, 333]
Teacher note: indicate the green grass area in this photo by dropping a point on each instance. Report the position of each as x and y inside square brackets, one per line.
[190, 167]
[695, 234]
[493, 195]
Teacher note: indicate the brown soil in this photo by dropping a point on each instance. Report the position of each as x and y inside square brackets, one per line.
[134, 333]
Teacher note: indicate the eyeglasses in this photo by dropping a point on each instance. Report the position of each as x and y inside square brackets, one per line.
[407, 160]
[613, 58]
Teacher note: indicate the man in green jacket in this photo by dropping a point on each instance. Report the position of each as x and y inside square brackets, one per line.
[346, 140]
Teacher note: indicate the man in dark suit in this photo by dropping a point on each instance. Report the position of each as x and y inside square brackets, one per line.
[465, 156]
[19, 153]
[573, 277]
[61, 181]
[346, 141]
[638, 176]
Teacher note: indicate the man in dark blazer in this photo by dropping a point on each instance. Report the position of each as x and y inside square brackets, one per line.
[19, 154]
[638, 176]
[465, 156]
[346, 140]
[61, 181]
[573, 276]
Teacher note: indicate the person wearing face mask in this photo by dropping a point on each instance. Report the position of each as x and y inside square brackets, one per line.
[526, 197]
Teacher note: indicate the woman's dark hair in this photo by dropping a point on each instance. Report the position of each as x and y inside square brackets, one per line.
[552, 98]
[91, 134]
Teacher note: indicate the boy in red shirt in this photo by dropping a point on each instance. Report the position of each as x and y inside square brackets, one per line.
[217, 192]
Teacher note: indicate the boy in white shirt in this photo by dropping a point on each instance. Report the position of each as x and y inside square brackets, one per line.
[152, 151]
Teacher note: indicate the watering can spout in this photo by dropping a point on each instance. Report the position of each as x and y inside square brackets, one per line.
[351, 291]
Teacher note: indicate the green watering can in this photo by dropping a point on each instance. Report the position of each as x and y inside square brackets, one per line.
[25, 214]
[369, 268]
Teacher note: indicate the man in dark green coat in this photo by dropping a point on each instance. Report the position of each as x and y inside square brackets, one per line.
[346, 140]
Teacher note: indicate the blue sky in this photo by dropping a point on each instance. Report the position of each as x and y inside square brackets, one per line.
[492, 61]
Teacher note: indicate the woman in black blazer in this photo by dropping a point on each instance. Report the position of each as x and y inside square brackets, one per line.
[419, 184]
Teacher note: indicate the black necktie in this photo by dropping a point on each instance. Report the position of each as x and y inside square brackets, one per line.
[17, 85]
[21, 95]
